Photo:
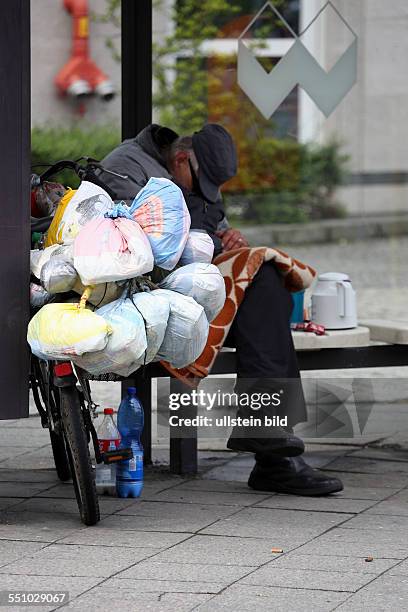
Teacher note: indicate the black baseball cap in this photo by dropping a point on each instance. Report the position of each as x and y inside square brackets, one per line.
[217, 159]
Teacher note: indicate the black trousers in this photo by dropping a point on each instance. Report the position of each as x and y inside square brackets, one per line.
[266, 357]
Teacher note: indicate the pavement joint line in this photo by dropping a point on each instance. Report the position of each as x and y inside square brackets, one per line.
[25, 541]
[325, 571]
[314, 510]
[249, 492]
[302, 588]
[376, 459]
[387, 514]
[174, 580]
[186, 503]
[326, 469]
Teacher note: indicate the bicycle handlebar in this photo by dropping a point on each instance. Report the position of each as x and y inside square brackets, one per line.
[84, 172]
[63, 164]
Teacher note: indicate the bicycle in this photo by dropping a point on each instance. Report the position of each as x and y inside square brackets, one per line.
[62, 393]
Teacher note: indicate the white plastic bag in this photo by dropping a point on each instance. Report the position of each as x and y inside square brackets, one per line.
[111, 250]
[89, 202]
[203, 282]
[39, 257]
[161, 211]
[61, 331]
[39, 296]
[126, 345]
[187, 330]
[155, 311]
[199, 248]
[58, 275]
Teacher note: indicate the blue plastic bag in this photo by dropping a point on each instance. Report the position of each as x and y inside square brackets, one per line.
[161, 211]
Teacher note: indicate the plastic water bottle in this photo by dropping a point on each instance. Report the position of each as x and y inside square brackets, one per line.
[109, 439]
[129, 472]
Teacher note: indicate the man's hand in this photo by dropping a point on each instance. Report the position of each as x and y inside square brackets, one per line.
[232, 239]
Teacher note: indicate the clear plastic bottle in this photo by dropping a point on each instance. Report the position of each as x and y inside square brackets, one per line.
[129, 472]
[109, 439]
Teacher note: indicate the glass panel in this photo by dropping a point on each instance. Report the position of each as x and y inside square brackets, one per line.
[332, 157]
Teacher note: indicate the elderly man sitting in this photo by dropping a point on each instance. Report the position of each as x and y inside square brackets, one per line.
[266, 358]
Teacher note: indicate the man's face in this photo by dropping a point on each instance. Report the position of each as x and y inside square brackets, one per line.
[183, 167]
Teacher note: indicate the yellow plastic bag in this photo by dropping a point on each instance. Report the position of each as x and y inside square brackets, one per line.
[59, 331]
[54, 234]
[77, 209]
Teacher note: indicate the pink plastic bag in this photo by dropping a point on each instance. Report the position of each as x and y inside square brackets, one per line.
[111, 250]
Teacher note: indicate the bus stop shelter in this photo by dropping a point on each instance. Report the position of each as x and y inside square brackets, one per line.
[15, 126]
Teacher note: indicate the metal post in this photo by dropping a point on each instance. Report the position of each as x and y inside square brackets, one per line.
[136, 66]
[14, 205]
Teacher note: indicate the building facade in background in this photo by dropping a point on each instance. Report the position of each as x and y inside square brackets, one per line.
[370, 122]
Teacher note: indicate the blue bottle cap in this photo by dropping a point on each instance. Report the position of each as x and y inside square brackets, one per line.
[131, 390]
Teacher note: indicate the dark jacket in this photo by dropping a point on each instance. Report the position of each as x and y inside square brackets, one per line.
[141, 158]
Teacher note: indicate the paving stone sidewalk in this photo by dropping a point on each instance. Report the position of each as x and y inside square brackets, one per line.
[206, 543]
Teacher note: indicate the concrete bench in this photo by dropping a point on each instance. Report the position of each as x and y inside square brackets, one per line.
[391, 332]
[341, 349]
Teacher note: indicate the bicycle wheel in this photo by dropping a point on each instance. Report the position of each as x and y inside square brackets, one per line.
[78, 455]
[60, 456]
[47, 398]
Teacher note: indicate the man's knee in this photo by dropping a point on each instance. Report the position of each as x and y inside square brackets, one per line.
[268, 286]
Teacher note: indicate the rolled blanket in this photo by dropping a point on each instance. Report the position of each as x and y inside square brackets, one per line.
[238, 268]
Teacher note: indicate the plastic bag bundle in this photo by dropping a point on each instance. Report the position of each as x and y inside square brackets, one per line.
[199, 248]
[39, 296]
[187, 330]
[155, 311]
[161, 211]
[111, 250]
[126, 345]
[58, 275]
[39, 257]
[61, 331]
[201, 281]
[76, 209]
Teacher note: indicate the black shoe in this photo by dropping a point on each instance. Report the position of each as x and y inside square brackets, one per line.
[282, 444]
[293, 476]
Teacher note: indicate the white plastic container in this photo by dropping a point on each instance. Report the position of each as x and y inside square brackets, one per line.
[334, 301]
